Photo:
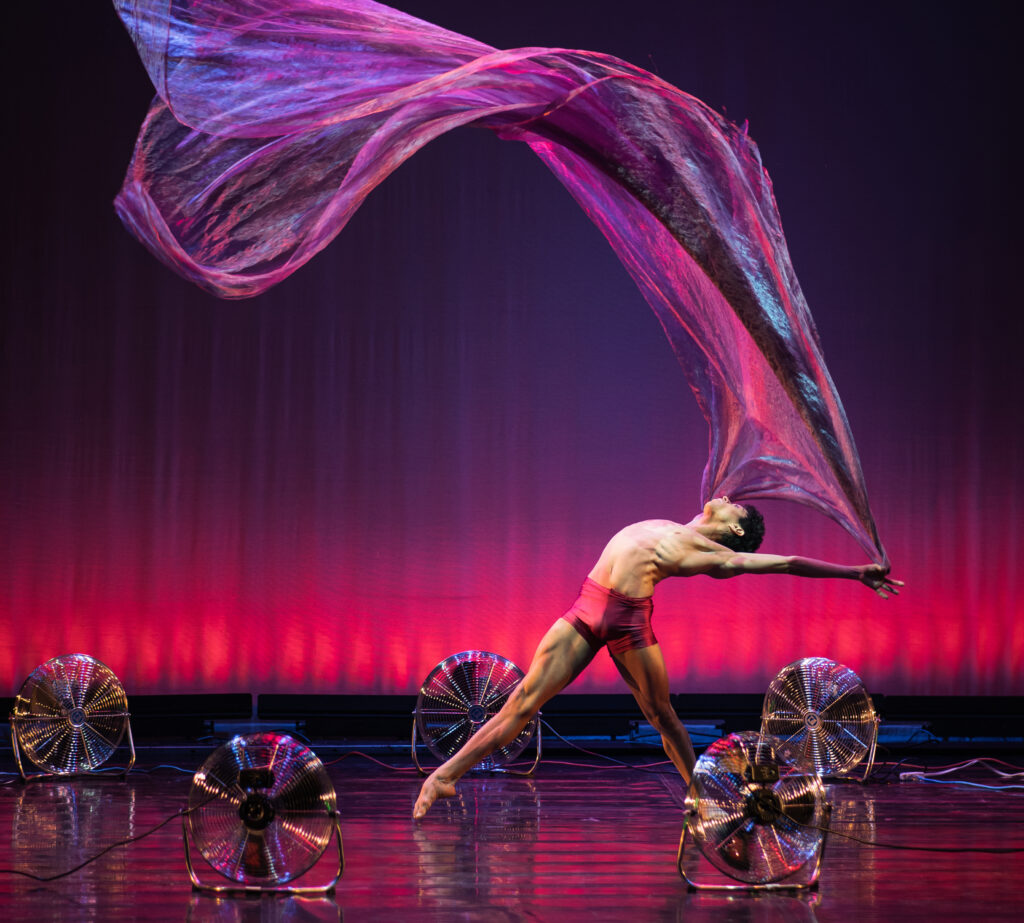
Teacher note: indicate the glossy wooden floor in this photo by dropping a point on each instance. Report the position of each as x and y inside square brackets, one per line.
[571, 843]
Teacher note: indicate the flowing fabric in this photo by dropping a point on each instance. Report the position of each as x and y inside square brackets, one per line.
[275, 119]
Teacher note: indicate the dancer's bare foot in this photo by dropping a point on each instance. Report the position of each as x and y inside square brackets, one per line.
[433, 788]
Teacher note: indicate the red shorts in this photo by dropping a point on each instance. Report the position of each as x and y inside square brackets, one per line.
[603, 616]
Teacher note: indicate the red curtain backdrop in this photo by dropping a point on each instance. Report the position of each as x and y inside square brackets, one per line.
[420, 443]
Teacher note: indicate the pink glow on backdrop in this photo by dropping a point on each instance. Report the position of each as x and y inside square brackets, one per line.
[307, 618]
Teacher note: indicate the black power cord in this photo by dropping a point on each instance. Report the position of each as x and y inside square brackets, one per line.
[125, 842]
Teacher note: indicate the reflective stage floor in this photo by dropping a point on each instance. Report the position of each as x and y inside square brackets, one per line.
[571, 843]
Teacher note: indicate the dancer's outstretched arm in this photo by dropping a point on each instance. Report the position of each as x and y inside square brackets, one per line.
[725, 564]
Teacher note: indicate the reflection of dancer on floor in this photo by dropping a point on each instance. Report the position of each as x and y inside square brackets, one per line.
[614, 608]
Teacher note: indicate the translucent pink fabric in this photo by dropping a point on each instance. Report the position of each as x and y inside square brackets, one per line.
[275, 118]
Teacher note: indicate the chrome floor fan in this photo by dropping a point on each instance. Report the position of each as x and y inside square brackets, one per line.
[262, 812]
[70, 715]
[458, 696]
[824, 716]
[755, 817]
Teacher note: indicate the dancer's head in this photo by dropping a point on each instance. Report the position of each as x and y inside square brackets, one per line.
[740, 528]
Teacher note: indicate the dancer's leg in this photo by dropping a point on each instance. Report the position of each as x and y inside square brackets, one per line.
[644, 670]
[561, 655]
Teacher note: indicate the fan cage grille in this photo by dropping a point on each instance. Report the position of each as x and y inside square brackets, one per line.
[757, 817]
[70, 714]
[262, 809]
[459, 695]
[822, 714]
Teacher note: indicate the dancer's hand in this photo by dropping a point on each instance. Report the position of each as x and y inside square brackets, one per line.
[876, 577]
[434, 787]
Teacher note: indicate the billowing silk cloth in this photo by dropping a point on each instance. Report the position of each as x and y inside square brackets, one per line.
[274, 120]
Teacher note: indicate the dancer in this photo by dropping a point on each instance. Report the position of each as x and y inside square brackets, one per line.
[276, 118]
[614, 609]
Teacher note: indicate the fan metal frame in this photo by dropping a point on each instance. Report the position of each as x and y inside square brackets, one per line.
[475, 712]
[820, 684]
[763, 774]
[289, 885]
[72, 715]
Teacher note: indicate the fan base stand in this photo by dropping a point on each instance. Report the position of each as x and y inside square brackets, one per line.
[289, 888]
[495, 769]
[50, 774]
[804, 878]
[871, 752]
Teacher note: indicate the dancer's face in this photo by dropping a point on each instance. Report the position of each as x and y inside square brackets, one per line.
[723, 510]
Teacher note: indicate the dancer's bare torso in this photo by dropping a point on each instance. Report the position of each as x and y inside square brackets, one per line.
[641, 555]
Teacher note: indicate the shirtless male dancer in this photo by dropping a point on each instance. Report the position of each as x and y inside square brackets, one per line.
[614, 609]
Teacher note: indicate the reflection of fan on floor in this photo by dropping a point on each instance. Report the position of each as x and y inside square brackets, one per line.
[822, 713]
[755, 816]
[69, 717]
[461, 693]
[261, 812]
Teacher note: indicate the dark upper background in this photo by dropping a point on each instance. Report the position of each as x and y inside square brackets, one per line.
[419, 442]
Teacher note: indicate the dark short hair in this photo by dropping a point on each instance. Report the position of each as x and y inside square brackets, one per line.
[753, 532]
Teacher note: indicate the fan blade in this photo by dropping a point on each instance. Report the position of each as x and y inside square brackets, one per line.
[809, 687]
[459, 726]
[858, 743]
[839, 698]
[487, 682]
[501, 693]
[451, 691]
[793, 695]
[798, 737]
[445, 714]
[101, 694]
[830, 756]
